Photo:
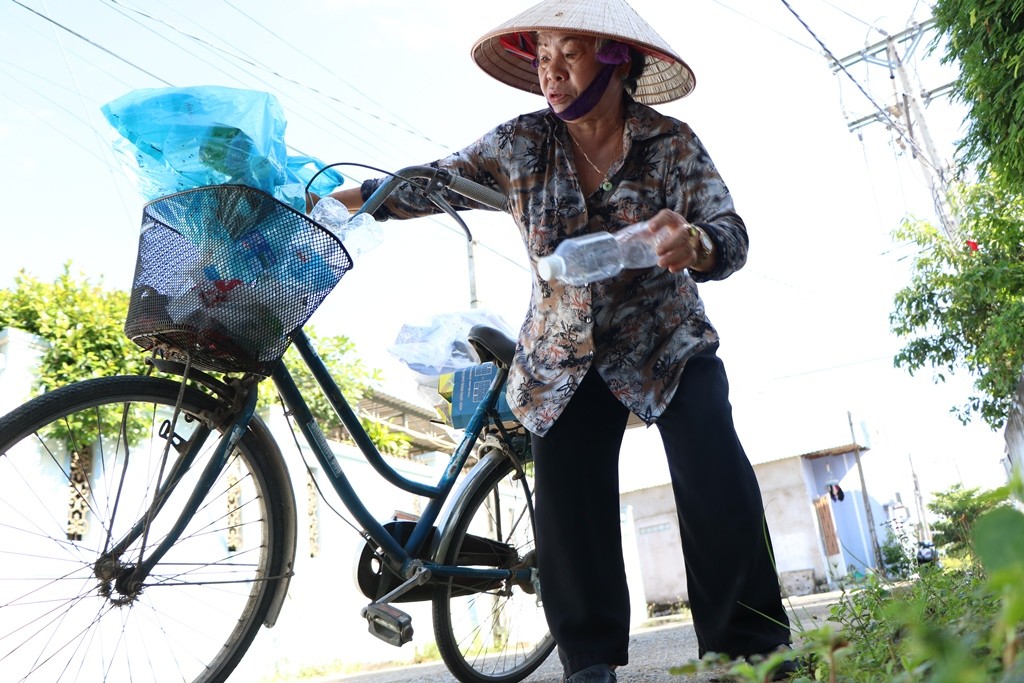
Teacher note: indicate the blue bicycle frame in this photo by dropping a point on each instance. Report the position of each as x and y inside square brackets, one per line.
[400, 556]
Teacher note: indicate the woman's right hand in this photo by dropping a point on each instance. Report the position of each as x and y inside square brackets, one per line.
[352, 198]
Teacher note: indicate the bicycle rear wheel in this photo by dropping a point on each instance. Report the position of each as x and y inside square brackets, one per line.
[495, 633]
[79, 467]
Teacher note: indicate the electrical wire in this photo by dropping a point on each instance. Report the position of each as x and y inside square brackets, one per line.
[289, 44]
[765, 26]
[61, 131]
[843, 11]
[120, 58]
[104, 149]
[361, 141]
[91, 42]
[882, 112]
[837, 366]
[252, 62]
[301, 114]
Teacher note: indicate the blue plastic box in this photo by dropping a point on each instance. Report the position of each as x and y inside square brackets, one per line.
[469, 387]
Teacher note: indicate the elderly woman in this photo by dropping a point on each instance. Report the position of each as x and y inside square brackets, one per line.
[597, 158]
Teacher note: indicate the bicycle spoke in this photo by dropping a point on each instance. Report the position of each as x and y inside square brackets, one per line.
[71, 610]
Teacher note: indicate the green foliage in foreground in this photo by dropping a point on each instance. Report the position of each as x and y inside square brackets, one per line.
[962, 625]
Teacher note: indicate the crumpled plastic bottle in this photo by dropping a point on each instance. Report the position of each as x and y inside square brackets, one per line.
[359, 233]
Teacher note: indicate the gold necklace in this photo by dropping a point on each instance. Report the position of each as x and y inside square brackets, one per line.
[580, 148]
[606, 185]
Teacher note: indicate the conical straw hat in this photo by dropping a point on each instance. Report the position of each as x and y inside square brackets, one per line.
[665, 77]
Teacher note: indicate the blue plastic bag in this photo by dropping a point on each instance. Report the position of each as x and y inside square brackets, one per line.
[177, 139]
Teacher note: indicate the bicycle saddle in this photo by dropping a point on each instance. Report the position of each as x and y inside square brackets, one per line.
[492, 345]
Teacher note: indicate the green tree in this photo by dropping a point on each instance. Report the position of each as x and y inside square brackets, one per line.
[83, 325]
[958, 510]
[81, 322]
[986, 39]
[964, 305]
[355, 382]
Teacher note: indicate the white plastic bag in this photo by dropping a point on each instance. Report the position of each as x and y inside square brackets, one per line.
[440, 345]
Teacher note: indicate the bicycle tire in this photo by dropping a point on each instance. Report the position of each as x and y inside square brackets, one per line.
[64, 618]
[494, 634]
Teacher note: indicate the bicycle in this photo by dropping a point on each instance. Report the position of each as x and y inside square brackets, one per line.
[149, 522]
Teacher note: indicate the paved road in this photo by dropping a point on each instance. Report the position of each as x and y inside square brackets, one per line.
[652, 651]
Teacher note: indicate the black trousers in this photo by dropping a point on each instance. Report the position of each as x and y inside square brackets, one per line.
[731, 580]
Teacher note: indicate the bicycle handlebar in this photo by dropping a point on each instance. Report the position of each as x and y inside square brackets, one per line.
[437, 178]
[473, 190]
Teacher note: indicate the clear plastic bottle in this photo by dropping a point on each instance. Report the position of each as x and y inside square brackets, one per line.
[331, 214]
[601, 255]
[359, 234]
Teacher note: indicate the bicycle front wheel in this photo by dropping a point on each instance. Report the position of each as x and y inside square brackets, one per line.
[79, 469]
[492, 633]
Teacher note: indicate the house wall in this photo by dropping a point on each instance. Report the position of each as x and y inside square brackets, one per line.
[658, 544]
[791, 520]
[850, 514]
[19, 356]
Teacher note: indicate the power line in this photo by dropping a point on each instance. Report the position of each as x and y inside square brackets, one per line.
[881, 111]
[764, 25]
[20, 104]
[91, 42]
[81, 98]
[908, 103]
[843, 11]
[246, 59]
[222, 53]
[332, 73]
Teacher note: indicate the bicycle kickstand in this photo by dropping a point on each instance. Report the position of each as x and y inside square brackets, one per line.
[389, 623]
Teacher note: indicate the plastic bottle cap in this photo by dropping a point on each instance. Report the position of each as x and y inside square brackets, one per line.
[550, 267]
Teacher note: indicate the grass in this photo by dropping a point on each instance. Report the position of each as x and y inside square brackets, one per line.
[959, 623]
[329, 670]
[962, 622]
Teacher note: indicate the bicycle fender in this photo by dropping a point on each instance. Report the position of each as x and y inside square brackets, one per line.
[277, 467]
[460, 499]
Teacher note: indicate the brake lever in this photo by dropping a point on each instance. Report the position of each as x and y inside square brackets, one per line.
[435, 197]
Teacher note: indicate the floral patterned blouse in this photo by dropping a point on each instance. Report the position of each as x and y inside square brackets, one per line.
[637, 328]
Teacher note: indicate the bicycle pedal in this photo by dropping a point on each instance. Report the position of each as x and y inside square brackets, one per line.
[391, 625]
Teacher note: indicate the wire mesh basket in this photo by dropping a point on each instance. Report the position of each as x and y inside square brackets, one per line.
[225, 274]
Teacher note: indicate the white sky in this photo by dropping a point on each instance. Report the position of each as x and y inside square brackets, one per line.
[390, 83]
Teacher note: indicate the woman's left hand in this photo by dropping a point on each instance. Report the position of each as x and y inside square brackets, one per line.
[680, 247]
[312, 200]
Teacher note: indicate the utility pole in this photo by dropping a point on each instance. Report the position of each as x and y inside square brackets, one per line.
[474, 301]
[925, 532]
[906, 115]
[875, 548]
